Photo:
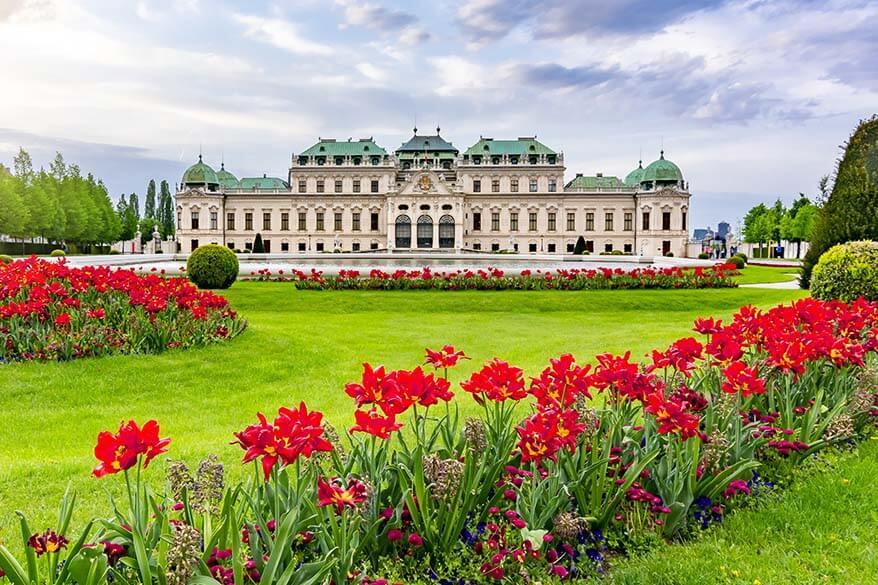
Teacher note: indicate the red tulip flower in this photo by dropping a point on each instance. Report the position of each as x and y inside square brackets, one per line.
[334, 493]
[121, 451]
[372, 423]
[497, 381]
[447, 357]
[47, 542]
[741, 379]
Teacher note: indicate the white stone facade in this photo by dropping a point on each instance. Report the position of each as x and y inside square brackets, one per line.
[441, 201]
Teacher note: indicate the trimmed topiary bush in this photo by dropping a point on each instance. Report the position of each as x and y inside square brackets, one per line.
[212, 266]
[57, 253]
[4, 259]
[847, 272]
[741, 255]
[703, 256]
[739, 262]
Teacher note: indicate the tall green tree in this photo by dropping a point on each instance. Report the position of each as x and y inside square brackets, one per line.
[166, 215]
[851, 210]
[760, 224]
[13, 212]
[134, 204]
[149, 208]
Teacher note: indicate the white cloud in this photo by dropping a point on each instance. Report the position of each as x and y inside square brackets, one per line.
[280, 33]
[372, 72]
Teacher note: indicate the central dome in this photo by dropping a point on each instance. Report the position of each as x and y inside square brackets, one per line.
[200, 174]
[662, 171]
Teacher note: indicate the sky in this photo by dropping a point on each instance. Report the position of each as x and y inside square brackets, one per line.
[752, 99]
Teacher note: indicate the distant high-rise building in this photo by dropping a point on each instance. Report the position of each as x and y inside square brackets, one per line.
[723, 229]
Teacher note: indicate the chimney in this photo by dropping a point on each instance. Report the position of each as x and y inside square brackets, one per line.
[578, 174]
[600, 174]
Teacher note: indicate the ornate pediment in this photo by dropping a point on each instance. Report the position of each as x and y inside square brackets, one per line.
[425, 182]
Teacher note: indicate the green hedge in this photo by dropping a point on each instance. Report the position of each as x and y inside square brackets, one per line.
[847, 272]
[4, 259]
[212, 266]
[56, 253]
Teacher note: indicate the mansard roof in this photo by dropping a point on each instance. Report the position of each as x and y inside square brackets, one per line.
[333, 147]
[431, 143]
[263, 182]
[584, 183]
[524, 145]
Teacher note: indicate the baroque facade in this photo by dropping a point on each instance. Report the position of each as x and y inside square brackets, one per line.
[497, 195]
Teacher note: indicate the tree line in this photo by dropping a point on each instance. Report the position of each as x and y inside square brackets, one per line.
[795, 224]
[60, 205]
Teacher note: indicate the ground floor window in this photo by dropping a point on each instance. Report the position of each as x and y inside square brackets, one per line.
[477, 246]
[666, 247]
[302, 246]
[373, 246]
[319, 246]
[193, 244]
[608, 247]
[355, 247]
[531, 247]
[570, 248]
[551, 248]
[403, 232]
[446, 231]
[425, 232]
[284, 246]
[628, 248]
[589, 246]
[495, 247]
[231, 245]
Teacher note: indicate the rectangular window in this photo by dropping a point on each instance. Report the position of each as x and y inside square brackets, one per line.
[513, 221]
[214, 216]
[495, 221]
[231, 246]
[608, 222]
[645, 225]
[336, 224]
[319, 246]
[248, 221]
[303, 185]
[355, 247]
[193, 244]
[589, 246]
[302, 247]
[495, 247]
[533, 185]
[532, 221]
[355, 221]
[551, 248]
[477, 246]
[373, 246]
[589, 221]
[285, 221]
[320, 224]
[553, 185]
[666, 220]
[495, 185]
[374, 186]
[477, 186]
[629, 221]
[356, 185]
[477, 221]
[570, 248]
[627, 248]
[552, 221]
[683, 217]
[320, 186]
[571, 221]
[303, 221]
[608, 247]
[284, 246]
[373, 221]
[230, 221]
[266, 221]
[194, 220]
[338, 185]
[179, 220]
[531, 247]
[513, 185]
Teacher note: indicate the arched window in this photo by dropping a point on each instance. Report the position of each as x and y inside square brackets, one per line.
[403, 232]
[425, 231]
[446, 231]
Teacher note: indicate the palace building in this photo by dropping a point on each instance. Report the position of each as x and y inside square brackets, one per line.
[497, 195]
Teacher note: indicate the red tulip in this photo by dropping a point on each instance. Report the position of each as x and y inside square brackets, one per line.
[121, 451]
[447, 357]
[371, 422]
[334, 493]
[497, 381]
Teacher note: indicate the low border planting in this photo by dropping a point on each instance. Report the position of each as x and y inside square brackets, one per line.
[560, 472]
[51, 311]
[718, 276]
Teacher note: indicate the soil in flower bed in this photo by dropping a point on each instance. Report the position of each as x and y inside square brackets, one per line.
[51, 311]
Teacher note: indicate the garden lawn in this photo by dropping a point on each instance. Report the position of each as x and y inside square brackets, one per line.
[766, 274]
[302, 345]
[824, 529]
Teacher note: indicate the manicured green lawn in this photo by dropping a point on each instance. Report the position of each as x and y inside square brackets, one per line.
[302, 346]
[766, 274]
[824, 529]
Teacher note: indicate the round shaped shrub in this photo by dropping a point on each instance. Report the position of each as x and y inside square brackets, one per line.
[847, 272]
[56, 253]
[739, 262]
[4, 259]
[669, 255]
[212, 266]
[703, 256]
[742, 255]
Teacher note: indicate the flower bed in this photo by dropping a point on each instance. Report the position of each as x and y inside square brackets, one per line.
[50, 311]
[558, 473]
[718, 276]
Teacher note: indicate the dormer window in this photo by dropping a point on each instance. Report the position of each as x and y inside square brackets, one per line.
[365, 149]
[486, 148]
[322, 149]
[532, 148]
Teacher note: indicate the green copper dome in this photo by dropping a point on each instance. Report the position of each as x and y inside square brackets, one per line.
[633, 178]
[200, 174]
[226, 179]
[662, 171]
